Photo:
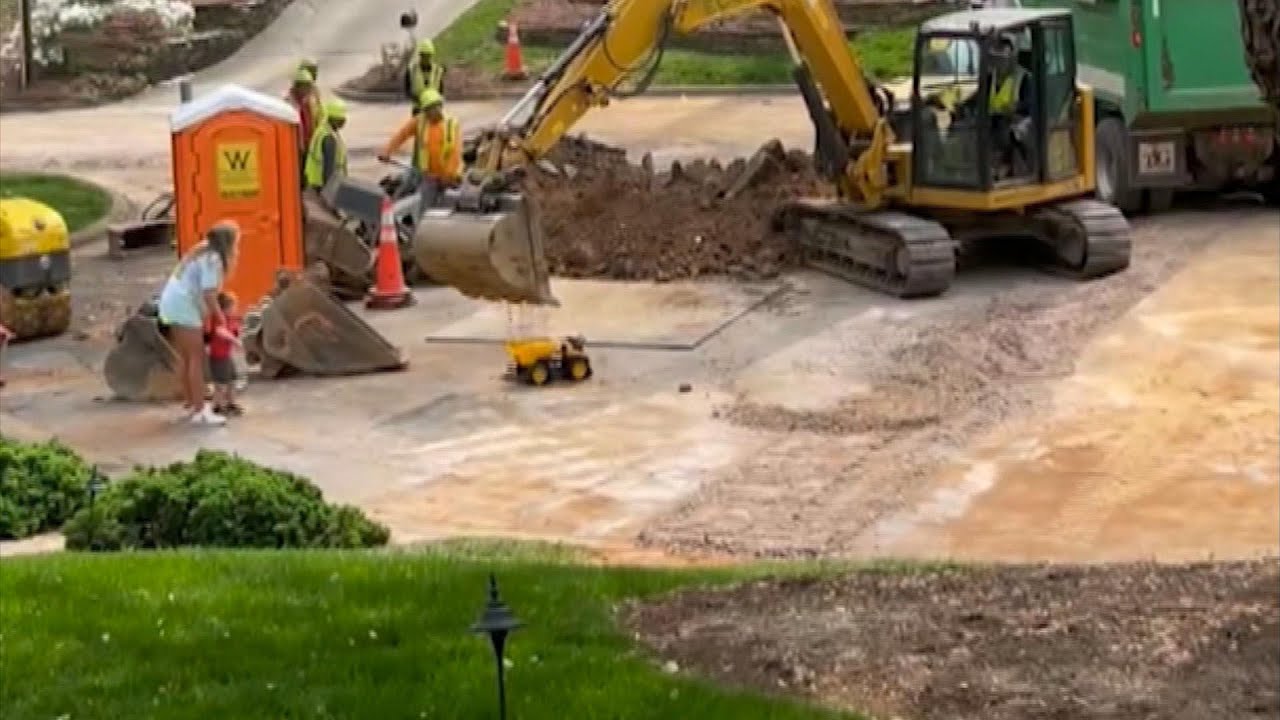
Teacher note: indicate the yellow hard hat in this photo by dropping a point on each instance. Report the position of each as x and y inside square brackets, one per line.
[303, 76]
[429, 98]
[426, 47]
[335, 108]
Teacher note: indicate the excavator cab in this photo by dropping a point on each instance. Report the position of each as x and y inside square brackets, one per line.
[999, 109]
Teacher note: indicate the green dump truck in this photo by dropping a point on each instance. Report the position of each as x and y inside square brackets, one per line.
[1176, 107]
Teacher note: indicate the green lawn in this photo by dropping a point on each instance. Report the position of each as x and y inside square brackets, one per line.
[79, 203]
[469, 40]
[336, 635]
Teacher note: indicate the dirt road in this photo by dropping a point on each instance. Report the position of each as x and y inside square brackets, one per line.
[1170, 421]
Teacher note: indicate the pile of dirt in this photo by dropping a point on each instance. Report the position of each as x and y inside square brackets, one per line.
[1011, 643]
[608, 218]
[384, 82]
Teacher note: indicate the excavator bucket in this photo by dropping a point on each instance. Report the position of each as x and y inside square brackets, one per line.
[494, 253]
[303, 328]
[142, 367]
[331, 242]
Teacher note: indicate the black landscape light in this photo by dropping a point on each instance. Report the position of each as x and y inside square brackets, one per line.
[497, 622]
[97, 483]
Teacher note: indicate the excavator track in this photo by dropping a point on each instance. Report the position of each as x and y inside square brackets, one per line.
[888, 251]
[1089, 239]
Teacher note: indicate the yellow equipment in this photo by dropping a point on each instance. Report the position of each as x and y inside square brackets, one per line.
[538, 361]
[35, 269]
[915, 185]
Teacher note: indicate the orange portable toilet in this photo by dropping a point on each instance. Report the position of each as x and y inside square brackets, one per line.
[235, 156]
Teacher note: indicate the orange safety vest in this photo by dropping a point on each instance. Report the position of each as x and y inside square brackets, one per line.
[440, 156]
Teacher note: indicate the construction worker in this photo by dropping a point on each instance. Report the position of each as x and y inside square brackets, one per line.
[437, 147]
[312, 67]
[303, 97]
[1009, 104]
[423, 73]
[327, 152]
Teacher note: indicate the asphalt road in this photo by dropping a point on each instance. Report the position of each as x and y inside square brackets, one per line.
[345, 37]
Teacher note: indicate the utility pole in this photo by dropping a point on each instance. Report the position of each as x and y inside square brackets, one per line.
[28, 52]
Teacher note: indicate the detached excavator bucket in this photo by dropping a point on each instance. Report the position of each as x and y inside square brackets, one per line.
[142, 367]
[346, 257]
[491, 254]
[303, 328]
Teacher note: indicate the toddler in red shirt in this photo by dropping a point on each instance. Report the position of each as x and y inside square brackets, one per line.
[223, 339]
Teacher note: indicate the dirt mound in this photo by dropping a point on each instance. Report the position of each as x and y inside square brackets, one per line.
[608, 218]
[1014, 643]
[385, 81]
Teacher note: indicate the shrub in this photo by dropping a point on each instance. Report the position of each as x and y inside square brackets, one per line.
[41, 485]
[218, 500]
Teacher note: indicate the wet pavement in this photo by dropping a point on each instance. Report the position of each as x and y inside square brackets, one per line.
[1162, 445]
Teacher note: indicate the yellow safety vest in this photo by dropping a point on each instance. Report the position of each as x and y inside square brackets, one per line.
[1004, 98]
[315, 155]
[432, 163]
[419, 83]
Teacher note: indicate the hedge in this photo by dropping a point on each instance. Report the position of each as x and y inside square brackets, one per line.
[218, 500]
[41, 485]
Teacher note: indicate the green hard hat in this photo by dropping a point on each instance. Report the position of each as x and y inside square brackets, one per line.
[426, 47]
[430, 98]
[335, 108]
[302, 76]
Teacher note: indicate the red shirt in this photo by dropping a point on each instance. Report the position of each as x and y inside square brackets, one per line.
[219, 347]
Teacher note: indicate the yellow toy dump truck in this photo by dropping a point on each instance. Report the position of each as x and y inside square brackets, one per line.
[538, 361]
[35, 269]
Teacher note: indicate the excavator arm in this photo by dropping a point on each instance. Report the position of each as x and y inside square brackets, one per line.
[627, 39]
[488, 244]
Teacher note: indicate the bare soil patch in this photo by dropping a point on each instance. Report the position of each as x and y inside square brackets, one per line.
[608, 218]
[1014, 643]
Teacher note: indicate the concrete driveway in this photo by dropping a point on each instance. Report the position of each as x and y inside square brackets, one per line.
[344, 37]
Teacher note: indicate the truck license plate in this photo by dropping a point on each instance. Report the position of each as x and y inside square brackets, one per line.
[1157, 158]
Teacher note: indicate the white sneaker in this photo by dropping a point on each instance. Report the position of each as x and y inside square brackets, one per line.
[207, 416]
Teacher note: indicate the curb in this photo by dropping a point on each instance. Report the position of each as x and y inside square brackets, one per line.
[385, 98]
[121, 209]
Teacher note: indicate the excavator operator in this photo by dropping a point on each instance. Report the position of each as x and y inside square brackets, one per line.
[1010, 108]
[437, 142]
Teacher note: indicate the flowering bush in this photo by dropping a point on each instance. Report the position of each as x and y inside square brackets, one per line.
[50, 18]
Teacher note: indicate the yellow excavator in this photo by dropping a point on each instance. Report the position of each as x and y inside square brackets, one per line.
[967, 158]
[997, 148]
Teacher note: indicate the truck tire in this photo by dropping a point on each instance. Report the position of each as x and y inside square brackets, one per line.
[1159, 200]
[1271, 191]
[1112, 166]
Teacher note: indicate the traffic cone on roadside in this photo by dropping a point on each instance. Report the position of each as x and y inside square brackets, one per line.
[389, 290]
[514, 66]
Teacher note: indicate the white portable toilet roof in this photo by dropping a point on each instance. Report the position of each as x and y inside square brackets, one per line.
[228, 98]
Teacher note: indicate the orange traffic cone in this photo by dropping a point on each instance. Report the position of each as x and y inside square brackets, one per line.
[514, 67]
[389, 291]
